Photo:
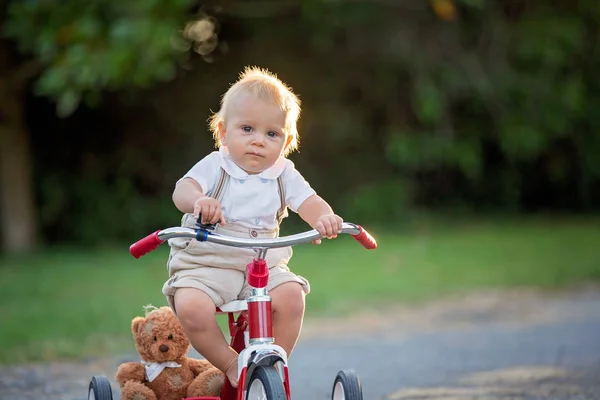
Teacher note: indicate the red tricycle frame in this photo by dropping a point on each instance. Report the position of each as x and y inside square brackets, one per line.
[262, 365]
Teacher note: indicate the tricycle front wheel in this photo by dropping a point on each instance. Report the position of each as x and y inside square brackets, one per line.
[347, 386]
[265, 384]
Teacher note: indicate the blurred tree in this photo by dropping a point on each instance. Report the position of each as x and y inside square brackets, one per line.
[76, 50]
[484, 104]
[471, 100]
[503, 89]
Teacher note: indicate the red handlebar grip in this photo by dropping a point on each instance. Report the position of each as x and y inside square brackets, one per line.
[145, 245]
[365, 239]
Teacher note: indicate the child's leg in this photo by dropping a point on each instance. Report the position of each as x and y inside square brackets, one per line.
[288, 313]
[196, 312]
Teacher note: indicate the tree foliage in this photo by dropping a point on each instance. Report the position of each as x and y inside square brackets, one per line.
[478, 97]
[488, 104]
[86, 47]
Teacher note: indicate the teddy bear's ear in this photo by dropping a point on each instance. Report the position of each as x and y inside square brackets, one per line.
[148, 308]
[135, 324]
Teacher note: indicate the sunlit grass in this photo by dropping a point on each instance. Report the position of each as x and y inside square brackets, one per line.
[74, 303]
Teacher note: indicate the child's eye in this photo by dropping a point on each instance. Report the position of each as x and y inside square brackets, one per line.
[247, 128]
[170, 337]
[272, 134]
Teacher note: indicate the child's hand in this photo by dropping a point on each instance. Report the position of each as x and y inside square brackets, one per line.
[328, 225]
[210, 209]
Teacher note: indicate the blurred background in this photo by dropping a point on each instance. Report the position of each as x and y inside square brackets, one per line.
[464, 134]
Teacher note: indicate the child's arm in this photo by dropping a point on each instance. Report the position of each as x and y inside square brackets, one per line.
[318, 214]
[186, 193]
[189, 197]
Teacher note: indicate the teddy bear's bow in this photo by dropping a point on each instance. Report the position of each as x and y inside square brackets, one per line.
[153, 369]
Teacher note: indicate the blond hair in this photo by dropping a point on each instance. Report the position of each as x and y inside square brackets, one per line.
[266, 86]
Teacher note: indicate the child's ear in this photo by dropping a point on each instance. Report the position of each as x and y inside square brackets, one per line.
[288, 141]
[222, 134]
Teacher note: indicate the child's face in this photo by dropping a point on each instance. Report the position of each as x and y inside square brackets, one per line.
[254, 133]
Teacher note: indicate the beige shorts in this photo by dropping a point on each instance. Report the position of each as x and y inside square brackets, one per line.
[219, 270]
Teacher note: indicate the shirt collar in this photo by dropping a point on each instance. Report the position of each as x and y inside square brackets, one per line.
[235, 171]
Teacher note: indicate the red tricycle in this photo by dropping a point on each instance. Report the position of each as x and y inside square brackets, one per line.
[263, 367]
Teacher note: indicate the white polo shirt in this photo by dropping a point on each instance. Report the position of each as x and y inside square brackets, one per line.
[251, 200]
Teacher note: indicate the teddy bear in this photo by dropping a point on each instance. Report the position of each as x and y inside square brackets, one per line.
[165, 372]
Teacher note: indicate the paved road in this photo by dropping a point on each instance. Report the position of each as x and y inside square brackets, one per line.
[549, 350]
[516, 345]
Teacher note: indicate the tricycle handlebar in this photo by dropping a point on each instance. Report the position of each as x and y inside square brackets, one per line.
[152, 241]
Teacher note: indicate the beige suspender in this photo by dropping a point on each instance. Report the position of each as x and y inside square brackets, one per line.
[217, 193]
[281, 213]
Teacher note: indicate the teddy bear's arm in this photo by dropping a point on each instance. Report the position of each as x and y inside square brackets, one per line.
[198, 366]
[130, 371]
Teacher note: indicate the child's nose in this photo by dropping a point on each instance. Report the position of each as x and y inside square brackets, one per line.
[258, 140]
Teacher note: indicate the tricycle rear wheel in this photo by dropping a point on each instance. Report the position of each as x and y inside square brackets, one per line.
[347, 386]
[99, 389]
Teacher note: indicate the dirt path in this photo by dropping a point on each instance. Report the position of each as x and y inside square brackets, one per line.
[519, 344]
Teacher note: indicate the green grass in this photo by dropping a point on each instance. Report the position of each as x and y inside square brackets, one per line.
[73, 303]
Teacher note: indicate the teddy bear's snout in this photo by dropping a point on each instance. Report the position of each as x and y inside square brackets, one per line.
[163, 348]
